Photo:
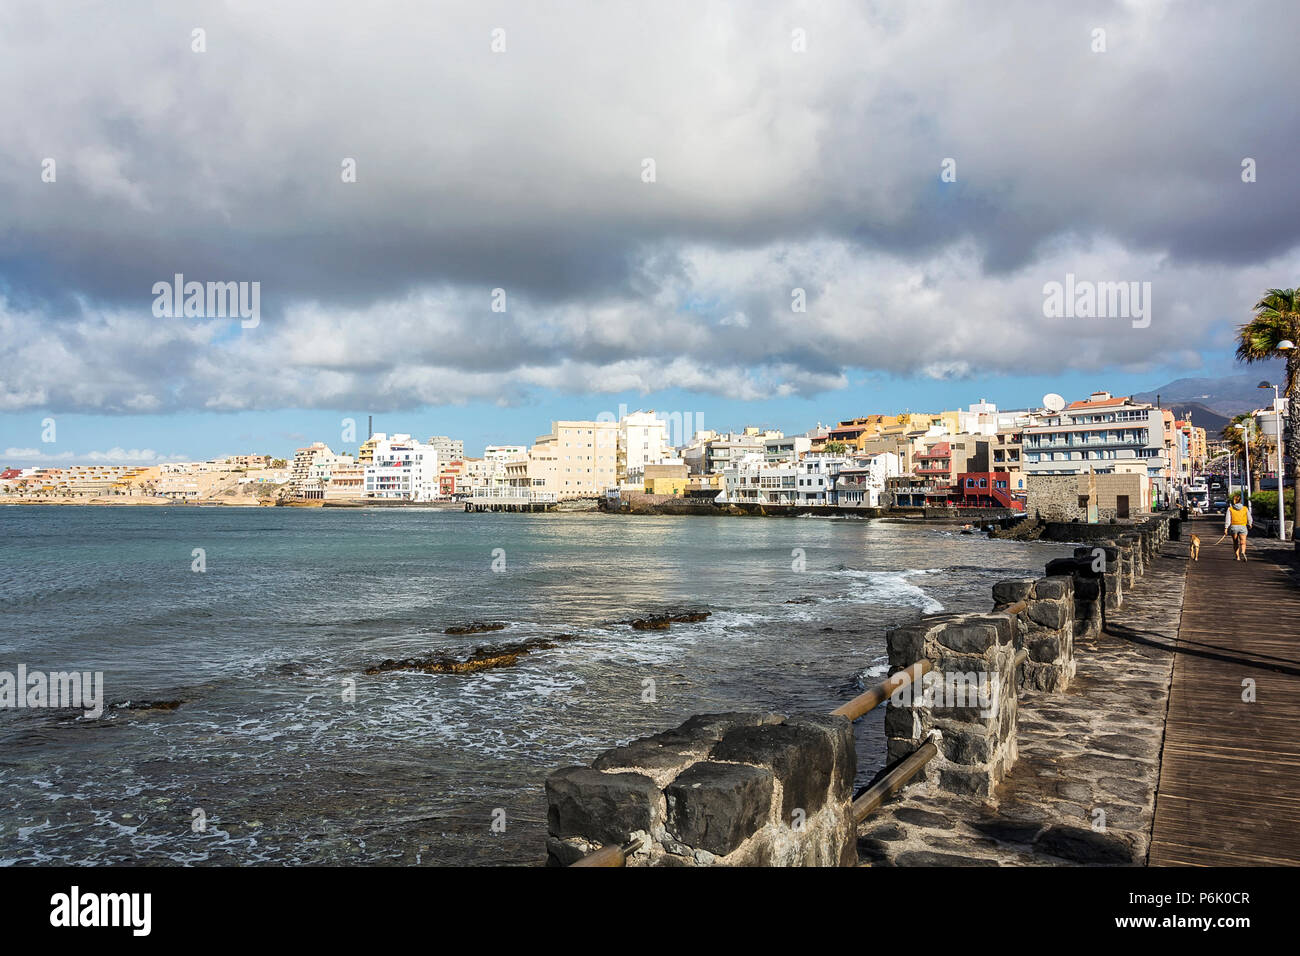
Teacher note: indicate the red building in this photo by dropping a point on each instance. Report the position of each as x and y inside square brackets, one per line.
[451, 478]
[985, 489]
[934, 462]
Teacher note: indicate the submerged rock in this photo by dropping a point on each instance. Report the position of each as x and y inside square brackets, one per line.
[475, 627]
[661, 622]
[146, 705]
[484, 658]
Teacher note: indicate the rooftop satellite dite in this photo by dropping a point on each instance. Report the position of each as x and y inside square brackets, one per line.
[1053, 402]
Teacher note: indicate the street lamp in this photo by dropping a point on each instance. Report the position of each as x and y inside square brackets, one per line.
[1277, 408]
[1244, 428]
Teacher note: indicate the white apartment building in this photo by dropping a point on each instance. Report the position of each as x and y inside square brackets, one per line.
[402, 468]
[642, 440]
[786, 450]
[864, 483]
[320, 469]
[813, 480]
[323, 470]
[983, 418]
[1102, 435]
[488, 475]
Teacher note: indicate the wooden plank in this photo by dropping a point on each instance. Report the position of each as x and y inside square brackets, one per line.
[1229, 792]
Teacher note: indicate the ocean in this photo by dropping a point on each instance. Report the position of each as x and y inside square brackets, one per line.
[240, 727]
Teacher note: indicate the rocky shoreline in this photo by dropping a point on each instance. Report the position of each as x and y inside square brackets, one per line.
[492, 656]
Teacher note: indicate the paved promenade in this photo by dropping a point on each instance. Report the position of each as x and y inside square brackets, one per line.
[1230, 775]
[1153, 755]
[1083, 789]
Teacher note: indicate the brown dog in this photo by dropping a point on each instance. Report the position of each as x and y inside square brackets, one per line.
[1196, 548]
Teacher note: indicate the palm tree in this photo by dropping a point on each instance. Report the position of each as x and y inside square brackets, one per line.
[1273, 333]
[1259, 448]
[836, 447]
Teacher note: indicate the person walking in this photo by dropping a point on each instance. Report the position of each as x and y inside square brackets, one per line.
[1237, 521]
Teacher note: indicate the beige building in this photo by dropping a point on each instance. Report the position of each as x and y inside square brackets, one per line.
[244, 461]
[585, 456]
[345, 481]
[197, 485]
[313, 465]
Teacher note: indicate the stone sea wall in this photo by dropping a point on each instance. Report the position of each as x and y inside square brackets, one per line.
[755, 789]
[739, 789]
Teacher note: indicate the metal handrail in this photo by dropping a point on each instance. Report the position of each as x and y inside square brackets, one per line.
[877, 695]
[613, 855]
[891, 782]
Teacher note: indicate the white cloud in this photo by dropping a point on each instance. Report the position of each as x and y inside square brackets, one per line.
[521, 170]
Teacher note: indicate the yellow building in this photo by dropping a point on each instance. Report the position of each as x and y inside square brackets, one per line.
[666, 486]
[366, 453]
[666, 479]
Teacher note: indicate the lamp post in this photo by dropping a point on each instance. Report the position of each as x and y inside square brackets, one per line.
[1281, 491]
[1244, 428]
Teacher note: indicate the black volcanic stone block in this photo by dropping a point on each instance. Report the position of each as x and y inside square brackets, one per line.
[1010, 592]
[800, 753]
[973, 637]
[1048, 614]
[1058, 583]
[605, 807]
[669, 749]
[717, 806]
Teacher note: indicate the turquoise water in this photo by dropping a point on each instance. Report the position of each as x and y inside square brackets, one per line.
[295, 604]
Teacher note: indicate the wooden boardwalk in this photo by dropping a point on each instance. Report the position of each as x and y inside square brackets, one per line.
[1229, 791]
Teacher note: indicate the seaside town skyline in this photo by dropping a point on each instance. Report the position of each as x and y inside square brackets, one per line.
[29, 441]
[907, 459]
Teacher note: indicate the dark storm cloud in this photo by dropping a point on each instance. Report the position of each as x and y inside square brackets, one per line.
[521, 170]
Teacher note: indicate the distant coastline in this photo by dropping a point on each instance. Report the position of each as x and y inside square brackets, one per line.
[135, 501]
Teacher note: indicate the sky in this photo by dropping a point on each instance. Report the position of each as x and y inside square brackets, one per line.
[472, 219]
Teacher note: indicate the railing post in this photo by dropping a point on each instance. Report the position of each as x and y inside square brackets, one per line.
[969, 697]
